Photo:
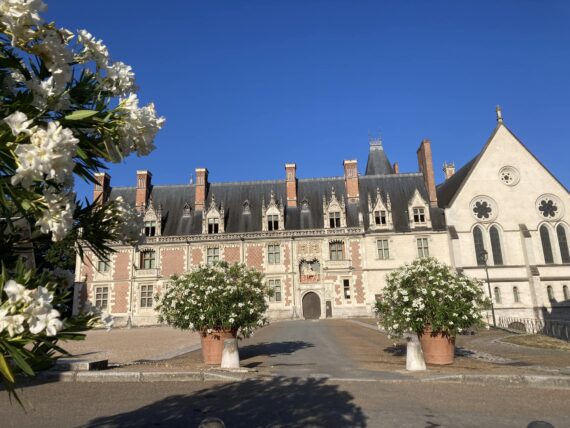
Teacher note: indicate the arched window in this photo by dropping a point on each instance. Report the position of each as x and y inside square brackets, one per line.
[496, 245]
[546, 246]
[565, 292]
[563, 243]
[550, 292]
[497, 295]
[516, 295]
[479, 245]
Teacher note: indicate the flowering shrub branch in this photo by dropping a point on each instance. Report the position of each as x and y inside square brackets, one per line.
[427, 293]
[66, 109]
[215, 298]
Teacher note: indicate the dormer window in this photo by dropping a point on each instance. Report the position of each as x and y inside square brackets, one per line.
[150, 228]
[213, 219]
[380, 210]
[213, 225]
[419, 216]
[273, 222]
[334, 220]
[380, 218]
[272, 214]
[334, 214]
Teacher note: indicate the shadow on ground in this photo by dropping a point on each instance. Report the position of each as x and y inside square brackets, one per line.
[281, 401]
[269, 349]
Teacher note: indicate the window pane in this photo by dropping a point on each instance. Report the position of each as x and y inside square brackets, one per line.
[346, 286]
[566, 293]
[546, 246]
[563, 243]
[496, 246]
[516, 294]
[479, 245]
[550, 293]
[497, 295]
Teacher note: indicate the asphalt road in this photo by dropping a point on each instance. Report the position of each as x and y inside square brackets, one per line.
[284, 402]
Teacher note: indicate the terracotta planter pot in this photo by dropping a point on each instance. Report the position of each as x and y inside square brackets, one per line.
[437, 348]
[213, 345]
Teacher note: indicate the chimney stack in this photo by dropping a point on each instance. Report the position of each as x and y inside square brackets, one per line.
[396, 168]
[351, 180]
[291, 182]
[201, 188]
[102, 187]
[144, 179]
[448, 169]
[426, 168]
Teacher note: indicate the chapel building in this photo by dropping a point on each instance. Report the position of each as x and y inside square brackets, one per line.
[325, 245]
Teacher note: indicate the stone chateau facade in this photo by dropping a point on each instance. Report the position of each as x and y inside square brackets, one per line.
[326, 244]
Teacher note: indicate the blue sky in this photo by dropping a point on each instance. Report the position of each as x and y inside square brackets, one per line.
[247, 86]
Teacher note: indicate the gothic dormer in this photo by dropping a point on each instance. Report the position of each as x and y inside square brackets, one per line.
[246, 207]
[152, 219]
[334, 211]
[272, 215]
[213, 218]
[380, 211]
[418, 212]
[186, 210]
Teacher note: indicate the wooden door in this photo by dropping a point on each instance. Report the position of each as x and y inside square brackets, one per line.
[311, 306]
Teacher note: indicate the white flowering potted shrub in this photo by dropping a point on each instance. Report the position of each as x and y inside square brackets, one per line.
[218, 301]
[431, 299]
[66, 110]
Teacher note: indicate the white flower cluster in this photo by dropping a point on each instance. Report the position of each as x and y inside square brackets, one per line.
[139, 128]
[29, 310]
[19, 16]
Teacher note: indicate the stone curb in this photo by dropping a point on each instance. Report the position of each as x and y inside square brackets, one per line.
[552, 382]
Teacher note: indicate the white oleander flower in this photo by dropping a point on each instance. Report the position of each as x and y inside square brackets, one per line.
[41, 296]
[18, 123]
[16, 292]
[93, 49]
[19, 16]
[58, 217]
[54, 50]
[14, 324]
[120, 79]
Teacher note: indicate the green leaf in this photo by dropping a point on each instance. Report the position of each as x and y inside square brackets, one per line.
[5, 370]
[81, 114]
[19, 359]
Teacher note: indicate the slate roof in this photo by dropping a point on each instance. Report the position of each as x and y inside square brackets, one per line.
[378, 163]
[173, 198]
[447, 190]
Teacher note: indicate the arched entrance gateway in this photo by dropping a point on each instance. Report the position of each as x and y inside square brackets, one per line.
[311, 306]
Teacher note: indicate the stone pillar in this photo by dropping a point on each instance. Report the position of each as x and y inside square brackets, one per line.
[144, 179]
[201, 188]
[426, 168]
[291, 183]
[351, 180]
[102, 187]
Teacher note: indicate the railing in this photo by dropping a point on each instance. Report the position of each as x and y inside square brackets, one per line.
[558, 329]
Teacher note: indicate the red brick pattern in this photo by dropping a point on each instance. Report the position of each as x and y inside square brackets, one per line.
[197, 256]
[337, 295]
[288, 281]
[120, 303]
[122, 266]
[357, 264]
[86, 270]
[232, 254]
[171, 262]
[254, 256]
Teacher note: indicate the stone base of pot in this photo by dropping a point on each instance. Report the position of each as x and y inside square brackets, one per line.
[213, 345]
[437, 348]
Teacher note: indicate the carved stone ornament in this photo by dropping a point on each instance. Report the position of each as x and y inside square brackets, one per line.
[509, 176]
[484, 209]
[308, 248]
[549, 207]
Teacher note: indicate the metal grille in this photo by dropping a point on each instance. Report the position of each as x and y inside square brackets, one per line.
[558, 329]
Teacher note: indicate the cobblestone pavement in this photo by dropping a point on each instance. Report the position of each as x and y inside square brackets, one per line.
[122, 345]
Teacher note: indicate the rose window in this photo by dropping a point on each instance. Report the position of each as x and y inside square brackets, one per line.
[484, 208]
[549, 207]
[509, 176]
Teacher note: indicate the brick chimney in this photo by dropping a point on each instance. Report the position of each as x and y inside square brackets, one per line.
[396, 168]
[291, 182]
[448, 169]
[201, 188]
[351, 180]
[102, 187]
[426, 168]
[144, 179]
